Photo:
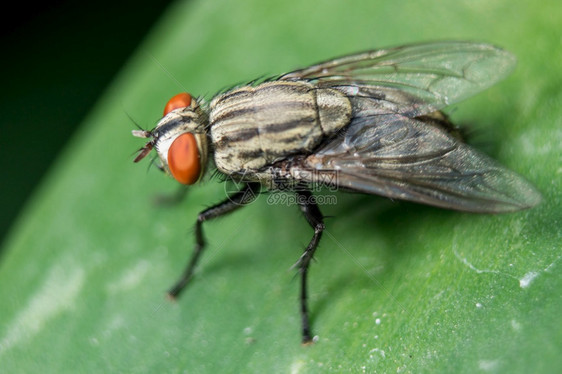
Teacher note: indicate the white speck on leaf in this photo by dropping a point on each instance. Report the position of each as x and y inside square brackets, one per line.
[527, 279]
[532, 275]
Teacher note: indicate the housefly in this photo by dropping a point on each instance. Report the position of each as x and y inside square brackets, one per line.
[371, 122]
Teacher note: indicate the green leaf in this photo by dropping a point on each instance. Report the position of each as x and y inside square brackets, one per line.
[396, 287]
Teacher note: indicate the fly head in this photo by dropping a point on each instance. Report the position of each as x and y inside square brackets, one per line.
[180, 139]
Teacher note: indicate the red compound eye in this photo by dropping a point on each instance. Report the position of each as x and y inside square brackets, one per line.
[183, 159]
[181, 100]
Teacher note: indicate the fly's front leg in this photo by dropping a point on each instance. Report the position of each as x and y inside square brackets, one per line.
[243, 197]
[315, 218]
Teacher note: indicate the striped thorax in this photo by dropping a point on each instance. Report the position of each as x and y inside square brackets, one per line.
[252, 127]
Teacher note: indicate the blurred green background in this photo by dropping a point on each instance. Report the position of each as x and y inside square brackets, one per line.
[57, 59]
[396, 287]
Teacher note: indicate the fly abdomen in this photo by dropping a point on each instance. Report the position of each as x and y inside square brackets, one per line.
[252, 127]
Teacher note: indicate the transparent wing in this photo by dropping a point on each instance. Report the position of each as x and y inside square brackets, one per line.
[418, 78]
[404, 158]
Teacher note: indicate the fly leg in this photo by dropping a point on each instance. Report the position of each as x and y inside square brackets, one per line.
[243, 197]
[315, 218]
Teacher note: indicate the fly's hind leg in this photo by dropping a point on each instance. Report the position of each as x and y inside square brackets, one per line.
[243, 197]
[314, 217]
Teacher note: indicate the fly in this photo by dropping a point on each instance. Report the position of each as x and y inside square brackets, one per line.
[369, 123]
